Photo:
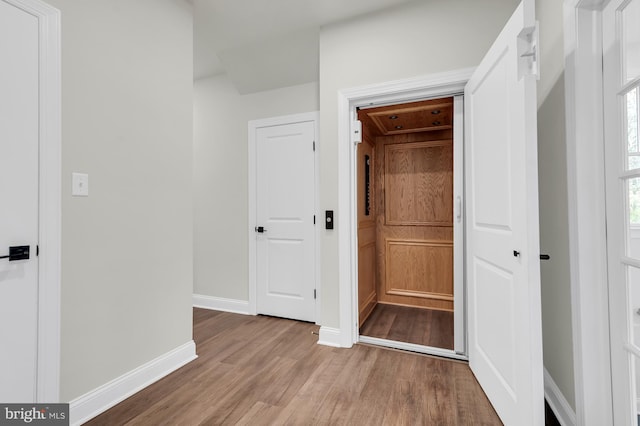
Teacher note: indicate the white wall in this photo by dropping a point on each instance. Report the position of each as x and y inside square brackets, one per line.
[127, 248]
[221, 117]
[420, 38]
[552, 176]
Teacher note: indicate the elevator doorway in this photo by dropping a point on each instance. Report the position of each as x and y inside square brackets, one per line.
[410, 223]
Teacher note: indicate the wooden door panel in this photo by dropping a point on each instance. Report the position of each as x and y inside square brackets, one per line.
[414, 219]
[419, 269]
[367, 294]
[419, 183]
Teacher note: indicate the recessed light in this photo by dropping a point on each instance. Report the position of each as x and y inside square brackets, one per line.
[435, 112]
[393, 117]
[436, 123]
[398, 127]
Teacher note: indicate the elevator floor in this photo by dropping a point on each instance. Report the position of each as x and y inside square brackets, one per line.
[411, 325]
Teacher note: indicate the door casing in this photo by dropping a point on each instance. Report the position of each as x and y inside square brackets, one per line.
[586, 205]
[431, 86]
[459, 313]
[48, 357]
[276, 121]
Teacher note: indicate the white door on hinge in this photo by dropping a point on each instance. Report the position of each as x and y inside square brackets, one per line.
[19, 139]
[285, 230]
[503, 264]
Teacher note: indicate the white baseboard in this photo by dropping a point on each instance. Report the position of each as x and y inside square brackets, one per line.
[558, 403]
[221, 304]
[88, 406]
[330, 337]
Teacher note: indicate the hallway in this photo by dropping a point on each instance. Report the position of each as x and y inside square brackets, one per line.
[264, 370]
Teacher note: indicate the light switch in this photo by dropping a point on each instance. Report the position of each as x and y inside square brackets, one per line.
[79, 184]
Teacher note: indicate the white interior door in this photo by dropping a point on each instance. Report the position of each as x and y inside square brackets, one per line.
[19, 127]
[503, 265]
[621, 53]
[285, 230]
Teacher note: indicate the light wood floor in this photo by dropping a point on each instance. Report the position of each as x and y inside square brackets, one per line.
[270, 371]
[411, 325]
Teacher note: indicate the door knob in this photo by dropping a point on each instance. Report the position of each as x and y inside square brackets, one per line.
[260, 229]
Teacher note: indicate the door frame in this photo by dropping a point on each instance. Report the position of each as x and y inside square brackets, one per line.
[48, 356]
[253, 125]
[587, 215]
[431, 86]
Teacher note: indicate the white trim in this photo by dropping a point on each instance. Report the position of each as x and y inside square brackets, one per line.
[558, 403]
[251, 205]
[221, 304]
[329, 336]
[106, 396]
[459, 288]
[430, 86]
[586, 204]
[626, 260]
[251, 202]
[48, 369]
[412, 347]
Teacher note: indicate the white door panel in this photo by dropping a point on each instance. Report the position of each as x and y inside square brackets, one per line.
[505, 338]
[285, 209]
[19, 126]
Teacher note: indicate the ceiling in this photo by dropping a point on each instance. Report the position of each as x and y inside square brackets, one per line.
[267, 44]
[412, 117]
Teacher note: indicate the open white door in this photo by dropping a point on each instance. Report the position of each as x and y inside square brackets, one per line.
[503, 264]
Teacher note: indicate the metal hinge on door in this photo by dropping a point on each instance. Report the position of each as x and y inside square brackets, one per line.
[314, 293]
[528, 52]
[314, 146]
[356, 132]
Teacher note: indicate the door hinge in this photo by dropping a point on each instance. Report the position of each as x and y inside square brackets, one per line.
[314, 293]
[356, 132]
[529, 52]
[314, 146]
[37, 250]
[314, 219]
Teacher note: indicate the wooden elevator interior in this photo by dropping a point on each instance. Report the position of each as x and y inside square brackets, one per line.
[405, 222]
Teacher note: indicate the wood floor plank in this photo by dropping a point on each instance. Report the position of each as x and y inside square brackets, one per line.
[426, 327]
[271, 371]
[346, 391]
[304, 406]
[379, 322]
[260, 414]
[473, 407]
[376, 396]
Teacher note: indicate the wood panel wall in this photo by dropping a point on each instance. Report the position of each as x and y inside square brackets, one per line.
[367, 294]
[414, 219]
